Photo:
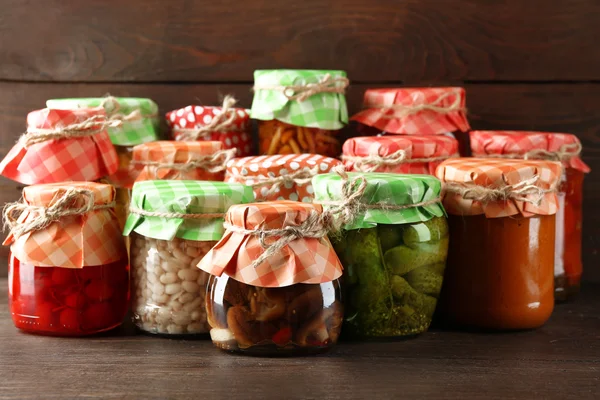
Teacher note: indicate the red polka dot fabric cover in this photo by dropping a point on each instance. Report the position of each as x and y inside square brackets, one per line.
[184, 121]
[280, 177]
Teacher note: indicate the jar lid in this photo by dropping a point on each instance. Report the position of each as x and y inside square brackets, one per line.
[399, 154]
[415, 111]
[279, 174]
[552, 146]
[62, 145]
[499, 187]
[139, 116]
[70, 225]
[386, 199]
[274, 244]
[310, 98]
[192, 210]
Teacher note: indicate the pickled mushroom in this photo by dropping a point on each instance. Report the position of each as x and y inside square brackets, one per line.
[323, 328]
[267, 305]
[245, 329]
[306, 304]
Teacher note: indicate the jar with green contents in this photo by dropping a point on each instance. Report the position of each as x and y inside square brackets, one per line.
[393, 246]
[139, 124]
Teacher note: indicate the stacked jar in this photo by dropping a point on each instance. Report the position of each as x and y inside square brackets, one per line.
[415, 111]
[172, 225]
[274, 287]
[393, 245]
[138, 123]
[299, 111]
[280, 177]
[68, 268]
[565, 148]
[502, 223]
[226, 124]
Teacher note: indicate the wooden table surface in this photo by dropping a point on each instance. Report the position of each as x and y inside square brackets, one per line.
[561, 360]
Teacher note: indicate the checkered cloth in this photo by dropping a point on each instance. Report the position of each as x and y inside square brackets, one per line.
[184, 197]
[73, 241]
[85, 158]
[518, 143]
[254, 170]
[130, 133]
[323, 110]
[432, 146]
[494, 173]
[172, 152]
[304, 260]
[426, 122]
[392, 189]
[239, 136]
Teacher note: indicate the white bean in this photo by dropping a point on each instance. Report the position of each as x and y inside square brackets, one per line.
[190, 274]
[191, 287]
[169, 277]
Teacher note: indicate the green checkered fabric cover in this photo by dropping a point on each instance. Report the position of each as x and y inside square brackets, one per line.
[184, 197]
[323, 110]
[393, 189]
[130, 133]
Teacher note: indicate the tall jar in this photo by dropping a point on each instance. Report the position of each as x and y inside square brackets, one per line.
[299, 111]
[280, 177]
[565, 148]
[398, 154]
[502, 222]
[138, 119]
[62, 145]
[415, 111]
[173, 225]
[226, 124]
[274, 287]
[68, 268]
[393, 250]
[171, 160]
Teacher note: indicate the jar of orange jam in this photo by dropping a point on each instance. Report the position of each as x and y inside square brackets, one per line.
[499, 274]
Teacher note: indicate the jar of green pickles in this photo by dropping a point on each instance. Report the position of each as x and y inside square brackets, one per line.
[393, 246]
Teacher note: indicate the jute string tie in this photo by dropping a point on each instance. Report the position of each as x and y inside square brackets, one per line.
[89, 127]
[564, 153]
[300, 177]
[222, 122]
[373, 161]
[168, 215]
[326, 84]
[405, 110]
[62, 205]
[213, 163]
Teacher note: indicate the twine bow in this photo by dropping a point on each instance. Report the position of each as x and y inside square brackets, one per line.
[213, 163]
[89, 127]
[373, 161]
[300, 177]
[564, 153]
[112, 107]
[327, 84]
[63, 204]
[220, 123]
[404, 110]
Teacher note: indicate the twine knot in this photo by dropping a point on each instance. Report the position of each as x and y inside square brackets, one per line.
[300, 177]
[213, 163]
[88, 127]
[112, 107]
[326, 84]
[220, 123]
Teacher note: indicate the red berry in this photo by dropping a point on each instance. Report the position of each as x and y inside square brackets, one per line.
[75, 300]
[69, 320]
[46, 313]
[96, 272]
[99, 290]
[98, 316]
[63, 276]
[283, 336]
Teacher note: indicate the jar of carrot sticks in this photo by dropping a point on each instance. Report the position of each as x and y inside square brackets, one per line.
[299, 111]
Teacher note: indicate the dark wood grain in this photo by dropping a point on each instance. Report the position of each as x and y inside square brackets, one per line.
[559, 361]
[410, 41]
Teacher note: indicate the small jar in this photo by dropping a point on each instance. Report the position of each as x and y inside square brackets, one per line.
[62, 145]
[565, 148]
[280, 177]
[299, 111]
[226, 124]
[280, 298]
[415, 111]
[502, 220]
[172, 225]
[171, 160]
[69, 274]
[398, 154]
[393, 251]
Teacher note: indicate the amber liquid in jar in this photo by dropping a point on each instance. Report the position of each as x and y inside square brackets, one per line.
[66, 301]
[567, 264]
[276, 137]
[499, 274]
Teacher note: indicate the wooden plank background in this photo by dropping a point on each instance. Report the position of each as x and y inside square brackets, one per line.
[526, 65]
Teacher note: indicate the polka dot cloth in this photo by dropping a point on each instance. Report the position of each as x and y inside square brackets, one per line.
[261, 171]
[194, 117]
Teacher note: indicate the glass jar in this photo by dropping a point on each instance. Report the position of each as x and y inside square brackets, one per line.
[299, 111]
[280, 177]
[415, 111]
[563, 147]
[500, 265]
[69, 275]
[406, 154]
[280, 298]
[172, 226]
[394, 255]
